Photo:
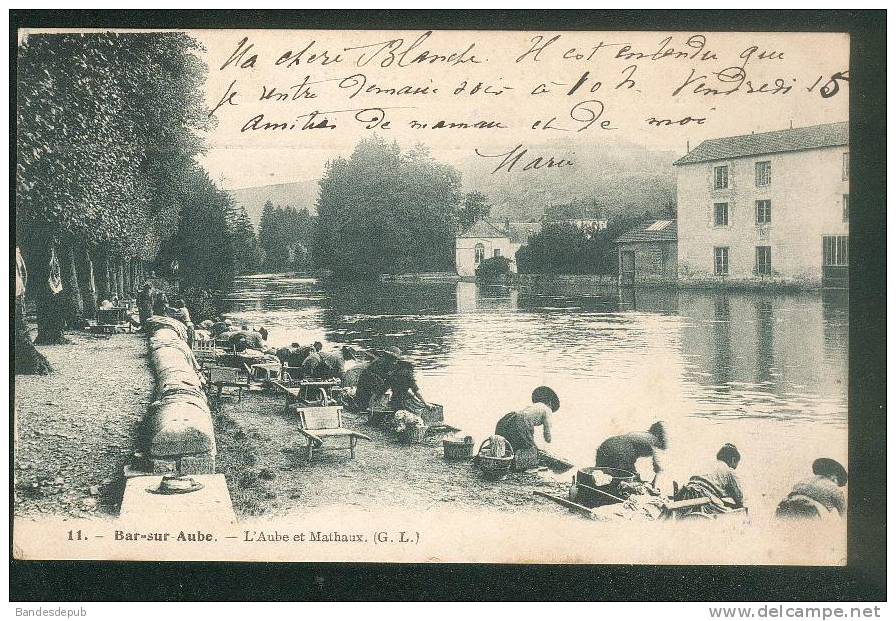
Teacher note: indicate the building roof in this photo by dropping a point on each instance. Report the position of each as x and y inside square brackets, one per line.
[651, 231]
[484, 228]
[518, 232]
[797, 139]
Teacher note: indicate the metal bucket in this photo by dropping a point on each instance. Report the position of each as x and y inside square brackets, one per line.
[589, 494]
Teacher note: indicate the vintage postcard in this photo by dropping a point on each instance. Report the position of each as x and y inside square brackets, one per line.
[432, 296]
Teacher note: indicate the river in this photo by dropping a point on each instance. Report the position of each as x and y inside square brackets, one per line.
[765, 371]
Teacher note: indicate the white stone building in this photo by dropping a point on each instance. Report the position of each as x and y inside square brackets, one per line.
[485, 239]
[766, 208]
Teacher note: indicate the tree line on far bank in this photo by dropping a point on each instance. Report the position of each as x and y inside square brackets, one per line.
[384, 211]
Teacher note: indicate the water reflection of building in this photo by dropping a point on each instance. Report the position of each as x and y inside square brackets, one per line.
[648, 299]
[781, 343]
[472, 297]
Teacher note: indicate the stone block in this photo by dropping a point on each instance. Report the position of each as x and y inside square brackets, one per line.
[197, 464]
[210, 505]
[180, 427]
[131, 471]
[164, 466]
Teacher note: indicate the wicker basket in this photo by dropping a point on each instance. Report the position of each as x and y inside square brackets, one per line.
[458, 449]
[412, 435]
[490, 466]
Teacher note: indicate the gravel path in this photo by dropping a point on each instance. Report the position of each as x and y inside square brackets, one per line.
[76, 427]
[259, 452]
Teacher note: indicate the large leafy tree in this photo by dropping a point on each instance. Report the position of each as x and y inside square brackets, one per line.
[107, 128]
[203, 247]
[475, 207]
[381, 211]
[563, 248]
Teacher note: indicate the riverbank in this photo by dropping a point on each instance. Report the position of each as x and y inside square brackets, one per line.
[451, 511]
[261, 455]
[76, 427]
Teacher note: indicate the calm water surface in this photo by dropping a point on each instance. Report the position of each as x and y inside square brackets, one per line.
[767, 372]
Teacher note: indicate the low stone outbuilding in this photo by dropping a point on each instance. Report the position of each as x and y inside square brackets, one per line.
[649, 253]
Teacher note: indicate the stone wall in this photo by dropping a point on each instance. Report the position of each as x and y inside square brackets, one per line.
[564, 284]
[587, 284]
[654, 262]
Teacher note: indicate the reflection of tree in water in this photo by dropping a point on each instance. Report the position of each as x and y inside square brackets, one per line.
[414, 316]
[765, 339]
[276, 292]
[594, 304]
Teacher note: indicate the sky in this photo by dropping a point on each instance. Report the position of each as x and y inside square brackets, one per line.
[624, 79]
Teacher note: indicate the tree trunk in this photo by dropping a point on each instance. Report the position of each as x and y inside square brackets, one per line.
[102, 277]
[71, 291]
[50, 306]
[87, 282]
[28, 361]
[126, 275]
[119, 278]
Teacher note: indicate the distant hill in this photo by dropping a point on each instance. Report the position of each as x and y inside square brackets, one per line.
[622, 178]
[301, 194]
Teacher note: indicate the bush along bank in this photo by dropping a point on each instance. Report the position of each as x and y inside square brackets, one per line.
[177, 435]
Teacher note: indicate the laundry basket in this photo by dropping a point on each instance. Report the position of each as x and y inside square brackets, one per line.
[491, 466]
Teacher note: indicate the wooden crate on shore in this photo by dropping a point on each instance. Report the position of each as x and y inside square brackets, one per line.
[322, 429]
[228, 377]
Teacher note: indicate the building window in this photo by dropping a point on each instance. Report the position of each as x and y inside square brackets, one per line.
[835, 250]
[763, 212]
[720, 217]
[721, 261]
[720, 177]
[764, 260]
[479, 249]
[846, 166]
[846, 207]
[497, 252]
[763, 174]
